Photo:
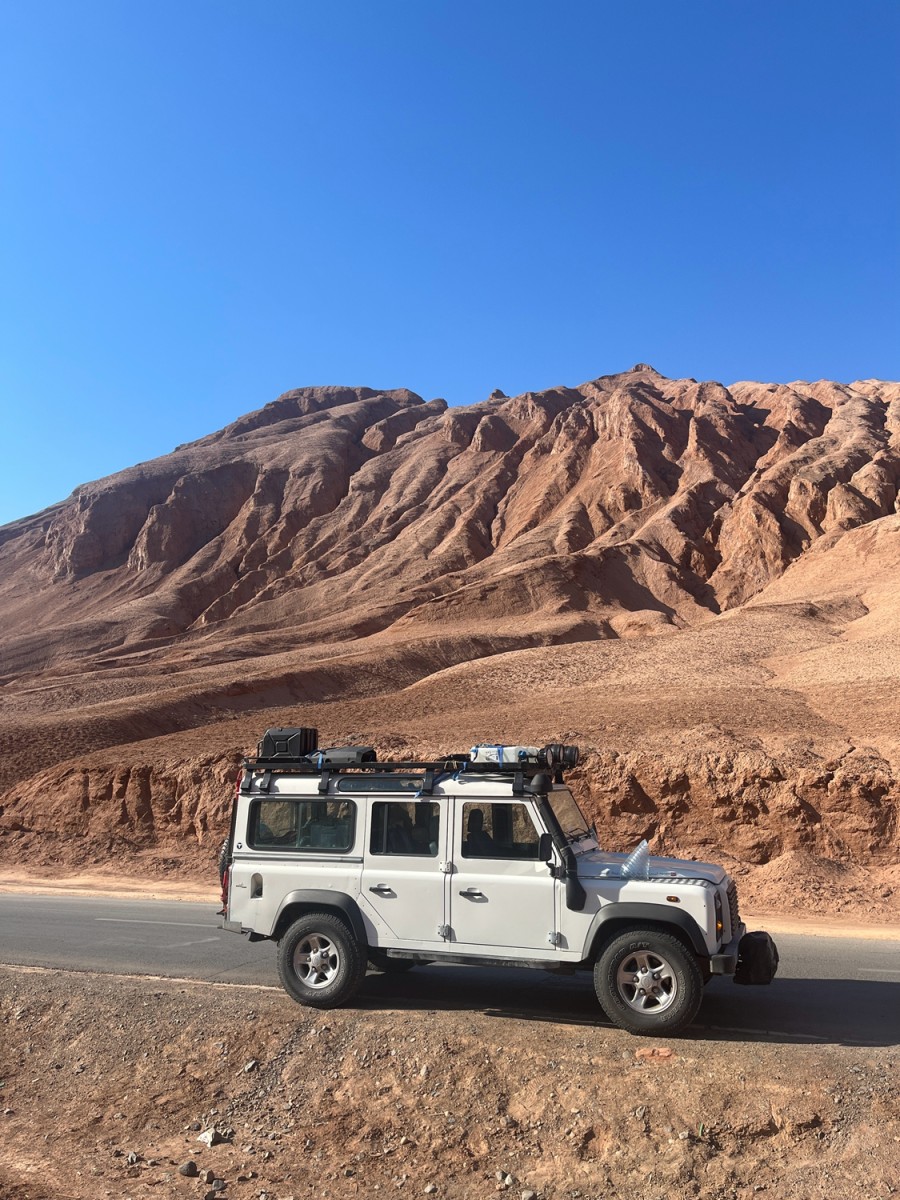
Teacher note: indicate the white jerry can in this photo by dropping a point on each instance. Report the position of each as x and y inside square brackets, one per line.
[503, 756]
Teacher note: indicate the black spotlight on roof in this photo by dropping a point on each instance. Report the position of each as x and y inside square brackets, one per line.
[557, 755]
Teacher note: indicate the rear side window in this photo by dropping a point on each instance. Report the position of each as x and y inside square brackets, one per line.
[312, 825]
[405, 827]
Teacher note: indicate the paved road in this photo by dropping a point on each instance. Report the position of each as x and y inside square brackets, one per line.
[828, 989]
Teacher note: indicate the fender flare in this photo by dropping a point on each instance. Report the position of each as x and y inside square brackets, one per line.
[323, 898]
[638, 914]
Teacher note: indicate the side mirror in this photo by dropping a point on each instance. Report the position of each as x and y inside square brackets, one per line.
[545, 848]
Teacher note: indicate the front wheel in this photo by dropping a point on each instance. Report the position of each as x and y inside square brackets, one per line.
[320, 962]
[647, 981]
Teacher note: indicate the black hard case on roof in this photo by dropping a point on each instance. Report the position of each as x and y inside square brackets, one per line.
[286, 744]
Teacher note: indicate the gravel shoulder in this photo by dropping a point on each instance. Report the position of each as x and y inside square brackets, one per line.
[105, 883]
[108, 1083]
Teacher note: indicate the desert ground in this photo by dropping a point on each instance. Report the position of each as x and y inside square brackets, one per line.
[108, 1082]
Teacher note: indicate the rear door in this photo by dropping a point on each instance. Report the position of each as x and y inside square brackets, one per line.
[402, 880]
[502, 897]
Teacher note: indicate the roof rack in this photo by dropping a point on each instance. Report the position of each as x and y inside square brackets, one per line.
[518, 774]
[351, 759]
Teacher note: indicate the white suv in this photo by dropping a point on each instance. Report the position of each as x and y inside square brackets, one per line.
[481, 859]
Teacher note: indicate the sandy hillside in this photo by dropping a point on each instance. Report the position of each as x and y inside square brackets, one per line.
[696, 583]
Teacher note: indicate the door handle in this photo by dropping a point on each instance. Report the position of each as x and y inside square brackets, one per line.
[382, 889]
[472, 893]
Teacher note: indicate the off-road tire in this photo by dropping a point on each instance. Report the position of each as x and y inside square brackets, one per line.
[643, 959]
[320, 962]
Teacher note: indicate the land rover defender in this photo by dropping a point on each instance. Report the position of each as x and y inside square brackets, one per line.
[480, 859]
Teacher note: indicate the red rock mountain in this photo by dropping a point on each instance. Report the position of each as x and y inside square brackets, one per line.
[679, 573]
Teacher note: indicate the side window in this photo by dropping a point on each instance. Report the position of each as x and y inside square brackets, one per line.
[410, 784]
[498, 831]
[405, 827]
[316, 825]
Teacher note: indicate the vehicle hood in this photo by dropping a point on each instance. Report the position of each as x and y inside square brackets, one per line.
[601, 864]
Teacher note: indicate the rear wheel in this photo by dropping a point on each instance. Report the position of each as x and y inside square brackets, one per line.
[647, 981]
[320, 962]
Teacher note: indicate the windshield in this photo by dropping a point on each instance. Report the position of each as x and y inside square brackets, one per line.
[571, 819]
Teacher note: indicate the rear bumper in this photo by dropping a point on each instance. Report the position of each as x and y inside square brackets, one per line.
[237, 927]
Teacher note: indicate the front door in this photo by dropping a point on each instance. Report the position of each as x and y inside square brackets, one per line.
[502, 897]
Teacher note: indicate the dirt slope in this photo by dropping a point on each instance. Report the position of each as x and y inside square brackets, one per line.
[697, 583]
[120, 1077]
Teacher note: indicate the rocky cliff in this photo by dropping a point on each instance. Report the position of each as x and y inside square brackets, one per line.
[697, 581]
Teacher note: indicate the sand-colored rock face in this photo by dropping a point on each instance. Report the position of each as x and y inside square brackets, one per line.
[714, 567]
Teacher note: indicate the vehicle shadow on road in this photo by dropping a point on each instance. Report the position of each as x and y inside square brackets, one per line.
[790, 1011]
[849, 1012]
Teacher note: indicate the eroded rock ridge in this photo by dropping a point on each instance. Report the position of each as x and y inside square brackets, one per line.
[715, 567]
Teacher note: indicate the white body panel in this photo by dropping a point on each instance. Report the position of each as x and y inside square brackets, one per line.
[405, 899]
[413, 901]
[496, 903]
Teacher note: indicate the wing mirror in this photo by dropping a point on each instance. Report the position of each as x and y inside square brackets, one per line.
[545, 848]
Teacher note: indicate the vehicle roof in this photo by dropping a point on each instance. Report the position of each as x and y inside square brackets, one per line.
[307, 787]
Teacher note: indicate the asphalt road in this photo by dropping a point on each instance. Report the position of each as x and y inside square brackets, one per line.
[828, 989]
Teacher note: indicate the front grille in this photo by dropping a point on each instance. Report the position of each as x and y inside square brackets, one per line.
[733, 908]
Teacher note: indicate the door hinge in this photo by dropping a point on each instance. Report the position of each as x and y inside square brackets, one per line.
[554, 938]
[446, 868]
[444, 931]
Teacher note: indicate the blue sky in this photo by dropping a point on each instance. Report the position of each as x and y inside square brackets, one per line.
[204, 203]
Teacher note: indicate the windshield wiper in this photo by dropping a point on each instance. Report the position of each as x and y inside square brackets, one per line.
[578, 835]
